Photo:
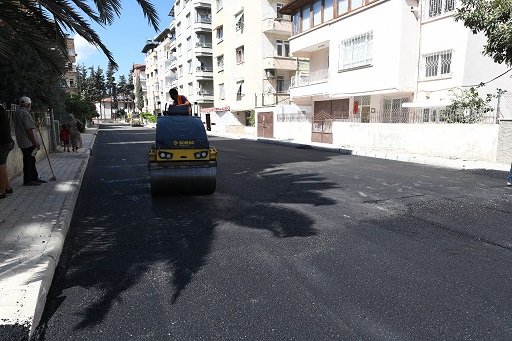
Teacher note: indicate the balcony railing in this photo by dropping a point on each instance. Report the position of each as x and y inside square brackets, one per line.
[205, 92]
[204, 45]
[204, 20]
[204, 68]
[303, 79]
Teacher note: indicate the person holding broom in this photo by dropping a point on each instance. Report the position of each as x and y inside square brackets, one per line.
[28, 141]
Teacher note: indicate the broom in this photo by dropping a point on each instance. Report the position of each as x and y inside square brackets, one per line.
[53, 178]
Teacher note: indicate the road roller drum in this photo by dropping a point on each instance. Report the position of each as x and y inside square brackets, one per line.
[181, 161]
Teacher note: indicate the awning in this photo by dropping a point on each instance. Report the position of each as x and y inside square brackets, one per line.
[426, 104]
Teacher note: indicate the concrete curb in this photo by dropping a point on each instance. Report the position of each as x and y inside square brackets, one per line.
[413, 158]
[50, 258]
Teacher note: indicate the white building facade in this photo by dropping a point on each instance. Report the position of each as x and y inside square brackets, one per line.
[389, 61]
[251, 61]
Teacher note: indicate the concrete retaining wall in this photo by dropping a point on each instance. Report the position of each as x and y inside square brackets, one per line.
[458, 141]
[504, 154]
[15, 158]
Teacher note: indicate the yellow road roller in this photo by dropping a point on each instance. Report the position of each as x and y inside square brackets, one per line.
[181, 160]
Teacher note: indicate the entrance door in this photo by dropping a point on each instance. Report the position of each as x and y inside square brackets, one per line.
[266, 124]
[322, 122]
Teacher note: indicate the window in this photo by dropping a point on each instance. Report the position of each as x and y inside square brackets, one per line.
[305, 18]
[189, 43]
[296, 23]
[179, 50]
[356, 51]
[240, 55]
[219, 4]
[220, 63]
[317, 12]
[280, 89]
[240, 23]
[438, 7]
[328, 10]
[342, 6]
[280, 5]
[221, 91]
[355, 4]
[239, 91]
[437, 64]
[189, 22]
[220, 34]
[189, 63]
[283, 48]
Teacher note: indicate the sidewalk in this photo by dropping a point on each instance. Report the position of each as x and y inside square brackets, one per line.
[34, 222]
[414, 158]
[33, 226]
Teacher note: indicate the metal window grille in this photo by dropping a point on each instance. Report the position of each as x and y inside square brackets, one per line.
[356, 51]
[438, 7]
[446, 61]
[437, 63]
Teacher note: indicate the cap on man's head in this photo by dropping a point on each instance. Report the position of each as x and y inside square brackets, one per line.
[25, 100]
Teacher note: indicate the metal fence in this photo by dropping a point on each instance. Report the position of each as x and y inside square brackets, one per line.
[43, 119]
[419, 115]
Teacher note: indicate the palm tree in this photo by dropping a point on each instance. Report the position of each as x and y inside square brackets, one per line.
[43, 25]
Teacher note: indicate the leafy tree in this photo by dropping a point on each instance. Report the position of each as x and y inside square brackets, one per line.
[42, 25]
[494, 19]
[81, 107]
[130, 87]
[81, 78]
[122, 87]
[109, 75]
[139, 97]
[467, 106]
[95, 84]
[27, 75]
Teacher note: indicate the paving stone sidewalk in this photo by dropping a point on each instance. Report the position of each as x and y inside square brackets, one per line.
[33, 226]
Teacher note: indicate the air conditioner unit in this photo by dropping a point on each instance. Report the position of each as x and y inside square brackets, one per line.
[271, 73]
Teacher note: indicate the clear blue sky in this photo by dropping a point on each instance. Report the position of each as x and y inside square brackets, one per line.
[125, 38]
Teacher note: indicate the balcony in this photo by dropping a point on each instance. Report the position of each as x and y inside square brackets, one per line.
[277, 26]
[203, 23]
[280, 63]
[204, 72]
[313, 77]
[203, 48]
[205, 95]
[202, 3]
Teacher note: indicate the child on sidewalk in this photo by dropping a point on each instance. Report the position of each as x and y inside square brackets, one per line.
[64, 137]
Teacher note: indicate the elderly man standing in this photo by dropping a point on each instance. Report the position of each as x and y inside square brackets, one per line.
[28, 140]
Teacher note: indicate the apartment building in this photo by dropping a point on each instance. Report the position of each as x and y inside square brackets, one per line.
[71, 75]
[190, 62]
[139, 74]
[377, 61]
[251, 59]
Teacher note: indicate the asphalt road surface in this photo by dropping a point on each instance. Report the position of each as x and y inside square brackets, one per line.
[296, 244]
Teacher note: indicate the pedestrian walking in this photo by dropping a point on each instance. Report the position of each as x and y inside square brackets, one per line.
[74, 133]
[64, 137]
[28, 141]
[6, 145]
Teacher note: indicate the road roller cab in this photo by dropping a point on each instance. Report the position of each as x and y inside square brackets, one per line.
[181, 160]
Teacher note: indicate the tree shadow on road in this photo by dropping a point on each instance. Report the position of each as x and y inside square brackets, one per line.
[111, 248]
